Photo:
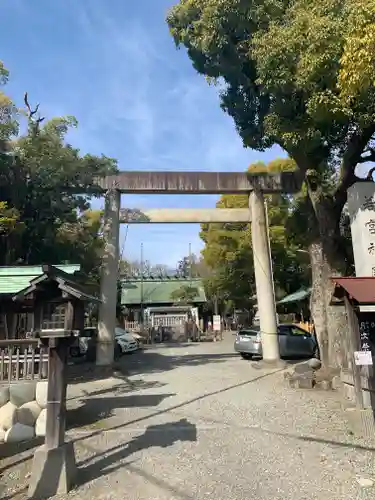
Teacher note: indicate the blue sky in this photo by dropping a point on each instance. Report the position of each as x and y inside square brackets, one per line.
[114, 65]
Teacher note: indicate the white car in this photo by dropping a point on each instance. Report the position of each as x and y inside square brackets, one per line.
[126, 341]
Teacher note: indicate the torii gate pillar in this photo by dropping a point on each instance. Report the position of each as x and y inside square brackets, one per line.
[143, 182]
[263, 278]
[108, 280]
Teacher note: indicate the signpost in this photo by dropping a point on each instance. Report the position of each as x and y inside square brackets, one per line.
[216, 326]
[366, 326]
[217, 323]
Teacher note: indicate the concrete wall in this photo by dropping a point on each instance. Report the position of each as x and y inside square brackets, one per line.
[22, 411]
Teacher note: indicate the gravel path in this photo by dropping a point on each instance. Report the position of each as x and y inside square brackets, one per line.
[198, 422]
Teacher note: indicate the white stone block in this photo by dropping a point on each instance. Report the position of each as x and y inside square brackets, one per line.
[41, 393]
[4, 396]
[314, 363]
[22, 392]
[19, 432]
[2, 435]
[40, 426]
[7, 415]
[361, 207]
[28, 413]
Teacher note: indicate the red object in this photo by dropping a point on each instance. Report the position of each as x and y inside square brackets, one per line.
[362, 290]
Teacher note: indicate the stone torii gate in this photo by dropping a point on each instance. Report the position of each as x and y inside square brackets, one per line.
[143, 182]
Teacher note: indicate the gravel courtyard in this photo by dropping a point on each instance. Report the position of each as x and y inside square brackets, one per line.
[196, 421]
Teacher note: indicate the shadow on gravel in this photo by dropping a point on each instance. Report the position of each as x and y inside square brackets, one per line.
[161, 435]
[175, 407]
[153, 362]
[215, 393]
[159, 482]
[127, 386]
[289, 435]
[10, 449]
[94, 410]
[143, 361]
[170, 345]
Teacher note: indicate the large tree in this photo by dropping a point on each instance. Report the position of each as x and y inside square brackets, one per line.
[42, 218]
[357, 70]
[228, 249]
[277, 63]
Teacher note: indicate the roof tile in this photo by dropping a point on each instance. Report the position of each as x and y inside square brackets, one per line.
[14, 279]
[157, 291]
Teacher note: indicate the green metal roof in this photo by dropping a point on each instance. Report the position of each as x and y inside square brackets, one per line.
[296, 296]
[157, 291]
[14, 279]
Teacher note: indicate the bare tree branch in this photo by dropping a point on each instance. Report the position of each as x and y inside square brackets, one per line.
[36, 120]
[369, 157]
[351, 158]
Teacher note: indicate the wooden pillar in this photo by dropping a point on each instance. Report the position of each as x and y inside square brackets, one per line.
[108, 281]
[353, 339]
[54, 466]
[56, 398]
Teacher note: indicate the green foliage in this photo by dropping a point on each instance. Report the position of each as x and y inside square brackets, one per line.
[185, 294]
[278, 64]
[8, 113]
[228, 250]
[9, 220]
[297, 74]
[39, 173]
[357, 71]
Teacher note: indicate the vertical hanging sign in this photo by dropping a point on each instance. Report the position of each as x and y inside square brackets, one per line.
[366, 323]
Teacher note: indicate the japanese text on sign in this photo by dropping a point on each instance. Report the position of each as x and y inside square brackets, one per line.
[364, 334]
[369, 203]
[371, 226]
[366, 328]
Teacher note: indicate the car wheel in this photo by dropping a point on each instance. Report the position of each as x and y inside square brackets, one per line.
[246, 355]
[75, 352]
[118, 351]
[316, 353]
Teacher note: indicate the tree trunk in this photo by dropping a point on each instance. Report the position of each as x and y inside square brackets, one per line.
[317, 301]
[327, 262]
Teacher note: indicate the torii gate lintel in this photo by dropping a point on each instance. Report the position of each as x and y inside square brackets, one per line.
[143, 182]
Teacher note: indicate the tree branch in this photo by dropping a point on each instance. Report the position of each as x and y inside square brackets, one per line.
[35, 120]
[369, 157]
[351, 158]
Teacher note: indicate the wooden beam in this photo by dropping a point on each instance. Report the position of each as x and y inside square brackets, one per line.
[185, 215]
[138, 182]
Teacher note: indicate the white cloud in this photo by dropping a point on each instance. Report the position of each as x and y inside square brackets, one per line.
[136, 98]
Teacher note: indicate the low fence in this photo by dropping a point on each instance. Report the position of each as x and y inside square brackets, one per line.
[132, 326]
[22, 359]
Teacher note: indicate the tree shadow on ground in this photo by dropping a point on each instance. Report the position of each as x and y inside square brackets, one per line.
[147, 360]
[123, 388]
[173, 408]
[8, 450]
[94, 410]
[161, 435]
[170, 345]
[150, 361]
